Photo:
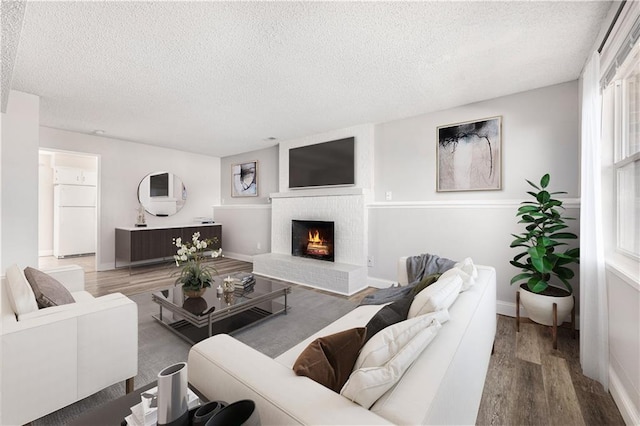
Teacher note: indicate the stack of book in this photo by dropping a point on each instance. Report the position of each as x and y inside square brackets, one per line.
[244, 282]
[146, 412]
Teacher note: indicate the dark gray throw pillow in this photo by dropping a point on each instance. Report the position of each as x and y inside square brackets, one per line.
[389, 315]
[49, 292]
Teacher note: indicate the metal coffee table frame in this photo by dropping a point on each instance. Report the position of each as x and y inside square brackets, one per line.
[209, 319]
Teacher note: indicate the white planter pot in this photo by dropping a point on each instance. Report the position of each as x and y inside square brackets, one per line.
[540, 307]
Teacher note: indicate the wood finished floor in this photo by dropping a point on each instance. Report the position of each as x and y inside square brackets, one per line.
[528, 382]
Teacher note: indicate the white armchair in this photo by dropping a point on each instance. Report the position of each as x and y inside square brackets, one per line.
[56, 356]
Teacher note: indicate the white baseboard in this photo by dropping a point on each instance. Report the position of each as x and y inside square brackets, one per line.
[379, 282]
[44, 253]
[105, 267]
[622, 399]
[238, 256]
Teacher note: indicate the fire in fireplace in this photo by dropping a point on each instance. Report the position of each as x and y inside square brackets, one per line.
[312, 238]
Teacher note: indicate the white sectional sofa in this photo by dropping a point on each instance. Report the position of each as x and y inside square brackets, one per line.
[443, 386]
[56, 356]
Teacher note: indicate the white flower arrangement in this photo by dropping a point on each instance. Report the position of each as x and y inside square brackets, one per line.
[194, 275]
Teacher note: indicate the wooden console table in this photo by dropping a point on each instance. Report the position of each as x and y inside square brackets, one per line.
[145, 244]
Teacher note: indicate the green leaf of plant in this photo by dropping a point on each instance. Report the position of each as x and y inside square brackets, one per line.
[520, 256]
[537, 285]
[544, 182]
[564, 235]
[543, 264]
[548, 242]
[518, 264]
[533, 194]
[520, 277]
[543, 197]
[532, 184]
[528, 209]
[567, 284]
[564, 259]
[574, 252]
[556, 228]
[563, 272]
[518, 243]
[536, 252]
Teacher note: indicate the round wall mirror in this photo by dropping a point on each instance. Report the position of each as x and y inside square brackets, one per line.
[162, 193]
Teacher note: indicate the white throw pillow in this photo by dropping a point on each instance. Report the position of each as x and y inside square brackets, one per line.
[21, 296]
[467, 271]
[367, 384]
[438, 296]
[385, 344]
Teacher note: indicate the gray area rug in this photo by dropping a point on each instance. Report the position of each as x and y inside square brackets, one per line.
[309, 311]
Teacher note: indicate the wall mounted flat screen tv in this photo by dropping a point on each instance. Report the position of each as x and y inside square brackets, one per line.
[323, 164]
[159, 185]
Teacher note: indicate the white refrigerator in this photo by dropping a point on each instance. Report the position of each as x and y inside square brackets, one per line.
[74, 220]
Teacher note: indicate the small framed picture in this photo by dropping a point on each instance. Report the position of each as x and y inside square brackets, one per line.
[244, 179]
[469, 156]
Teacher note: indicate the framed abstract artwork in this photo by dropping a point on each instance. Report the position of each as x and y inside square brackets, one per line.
[469, 156]
[244, 179]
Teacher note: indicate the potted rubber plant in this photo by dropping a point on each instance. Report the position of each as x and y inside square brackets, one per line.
[544, 259]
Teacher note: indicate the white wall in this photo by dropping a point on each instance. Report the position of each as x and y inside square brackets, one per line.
[267, 175]
[246, 221]
[539, 135]
[623, 292]
[364, 154]
[246, 229]
[20, 126]
[122, 166]
[45, 204]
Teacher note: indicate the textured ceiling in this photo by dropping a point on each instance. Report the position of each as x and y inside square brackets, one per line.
[220, 77]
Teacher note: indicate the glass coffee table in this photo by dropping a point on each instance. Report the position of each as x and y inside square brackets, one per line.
[196, 318]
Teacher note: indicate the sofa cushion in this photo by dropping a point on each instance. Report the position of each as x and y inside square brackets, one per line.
[424, 283]
[439, 295]
[387, 343]
[48, 291]
[329, 360]
[20, 294]
[388, 315]
[386, 357]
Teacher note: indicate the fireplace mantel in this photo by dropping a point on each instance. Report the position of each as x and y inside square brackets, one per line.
[319, 192]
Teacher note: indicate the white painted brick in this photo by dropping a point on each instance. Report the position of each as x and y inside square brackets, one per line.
[337, 277]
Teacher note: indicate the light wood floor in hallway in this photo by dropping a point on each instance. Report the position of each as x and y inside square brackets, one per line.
[528, 382]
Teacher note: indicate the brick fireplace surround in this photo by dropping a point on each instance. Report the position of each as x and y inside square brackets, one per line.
[344, 206]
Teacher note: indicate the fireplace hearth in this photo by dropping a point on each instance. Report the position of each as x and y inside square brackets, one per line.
[312, 239]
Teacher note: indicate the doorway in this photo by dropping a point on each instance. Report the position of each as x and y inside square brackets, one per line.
[68, 209]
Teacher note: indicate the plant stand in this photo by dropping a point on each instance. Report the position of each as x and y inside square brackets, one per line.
[554, 327]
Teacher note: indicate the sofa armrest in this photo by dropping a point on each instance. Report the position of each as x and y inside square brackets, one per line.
[403, 278]
[223, 368]
[71, 276]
